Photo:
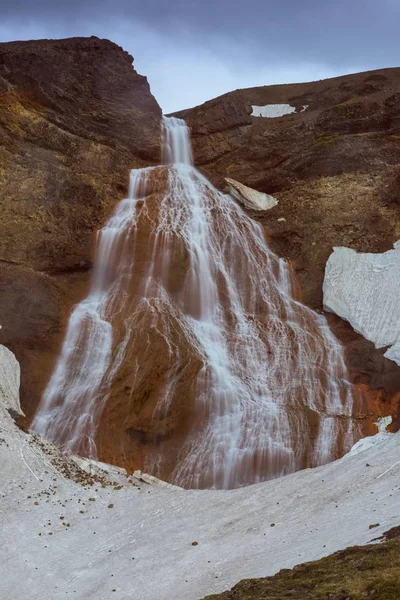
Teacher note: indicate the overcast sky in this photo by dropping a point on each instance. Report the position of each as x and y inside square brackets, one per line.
[195, 50]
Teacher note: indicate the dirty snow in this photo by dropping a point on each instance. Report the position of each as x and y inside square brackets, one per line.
[9, 381]
[364, 289]
[61, 539]
[372, 440]
[272, 111]
[249, 197]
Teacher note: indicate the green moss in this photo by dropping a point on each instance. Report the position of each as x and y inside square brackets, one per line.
[391, 101]
[394, 138]
[350, 109]
[324, 139]
[358, 573]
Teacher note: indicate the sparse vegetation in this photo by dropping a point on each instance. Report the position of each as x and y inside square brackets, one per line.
[349, 109]
[358, 573]
[394, 138]
[391, 101]
[323, 139]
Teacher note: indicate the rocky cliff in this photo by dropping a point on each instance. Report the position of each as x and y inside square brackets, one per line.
[332, 161]
[74, 118]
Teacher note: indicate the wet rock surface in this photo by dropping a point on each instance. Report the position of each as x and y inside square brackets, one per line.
[76, 117]
[161, 401]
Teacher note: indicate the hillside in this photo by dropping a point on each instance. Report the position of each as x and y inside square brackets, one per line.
[334, 168]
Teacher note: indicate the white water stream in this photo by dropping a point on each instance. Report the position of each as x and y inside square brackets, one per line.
[271, 366]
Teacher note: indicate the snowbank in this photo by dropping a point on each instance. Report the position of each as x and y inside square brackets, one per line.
[9, 382]
[364, 289]
[373, 440]
[272, 111]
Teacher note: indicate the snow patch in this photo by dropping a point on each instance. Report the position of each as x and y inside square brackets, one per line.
[250, 198]
[272, 111]
[364, 289]
[9, 382]
[373, 440]
[95, 467]
[137, 539]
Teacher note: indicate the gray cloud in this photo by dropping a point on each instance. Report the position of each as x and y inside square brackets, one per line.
[194, 50]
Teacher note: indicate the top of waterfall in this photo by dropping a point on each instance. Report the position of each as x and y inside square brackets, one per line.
[175, 142]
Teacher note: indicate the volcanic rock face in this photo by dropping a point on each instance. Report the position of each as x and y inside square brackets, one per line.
[74, 118]
[333, 167]
[334, 170]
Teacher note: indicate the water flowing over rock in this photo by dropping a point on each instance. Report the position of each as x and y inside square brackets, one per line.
[334, 169]
[190, 355]
[333, 166]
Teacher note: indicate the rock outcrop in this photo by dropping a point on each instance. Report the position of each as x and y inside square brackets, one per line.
[334, 168]
[74, 118]
[190, 358]
[338, 574]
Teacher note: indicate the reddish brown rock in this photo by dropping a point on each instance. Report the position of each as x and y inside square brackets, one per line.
[74, 118]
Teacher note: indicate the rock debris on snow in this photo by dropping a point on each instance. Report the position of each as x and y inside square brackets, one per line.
[143, 542]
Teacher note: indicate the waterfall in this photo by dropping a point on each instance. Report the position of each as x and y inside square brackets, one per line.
[270, 392]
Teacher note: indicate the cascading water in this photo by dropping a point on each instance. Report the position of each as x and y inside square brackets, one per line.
[269, 391]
